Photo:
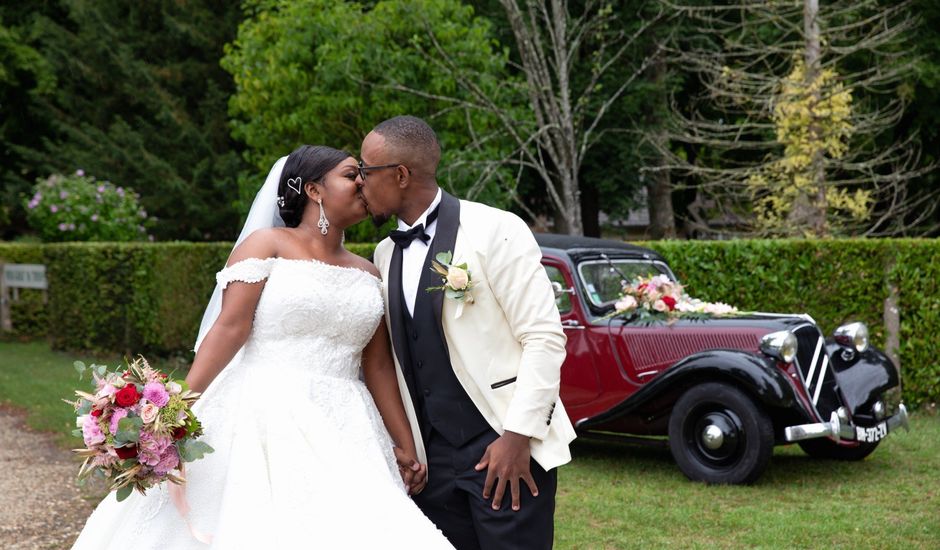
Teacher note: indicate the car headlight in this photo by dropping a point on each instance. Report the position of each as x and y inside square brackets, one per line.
[853, 336]
[781, 345]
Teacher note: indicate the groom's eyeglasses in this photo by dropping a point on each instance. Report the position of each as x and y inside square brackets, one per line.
[365, 169]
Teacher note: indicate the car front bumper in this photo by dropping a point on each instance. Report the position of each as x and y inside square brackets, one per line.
[839, 428]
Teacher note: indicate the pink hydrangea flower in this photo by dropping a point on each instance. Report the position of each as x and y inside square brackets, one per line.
[91, 431]
[168, 461]
[156, 393]
[116, 417]
[54, 208]
[152, 448]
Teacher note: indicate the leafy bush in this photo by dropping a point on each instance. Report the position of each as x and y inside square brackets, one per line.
[78, 208]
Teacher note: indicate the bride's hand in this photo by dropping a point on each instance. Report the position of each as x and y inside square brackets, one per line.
[413, 473]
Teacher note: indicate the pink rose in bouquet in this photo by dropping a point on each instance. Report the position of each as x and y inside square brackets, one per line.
[137, 427]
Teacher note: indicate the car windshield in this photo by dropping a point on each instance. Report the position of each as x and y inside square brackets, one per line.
[602, 283]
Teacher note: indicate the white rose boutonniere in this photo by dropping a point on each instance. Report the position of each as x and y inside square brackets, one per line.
[456, 282]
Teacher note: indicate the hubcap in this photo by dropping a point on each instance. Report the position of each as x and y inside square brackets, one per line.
[713, 437]
[716, 436]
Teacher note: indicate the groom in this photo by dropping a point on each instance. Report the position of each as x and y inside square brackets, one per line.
[482, 374]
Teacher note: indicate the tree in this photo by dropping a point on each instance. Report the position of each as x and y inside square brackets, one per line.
[304, 74]
[790, 133]
[25, 79]
[566, 56]
[139, 100]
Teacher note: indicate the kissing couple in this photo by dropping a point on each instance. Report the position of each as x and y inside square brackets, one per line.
[353, 405]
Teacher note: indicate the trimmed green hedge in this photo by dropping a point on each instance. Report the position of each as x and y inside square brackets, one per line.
[140, 297]
[121, 297]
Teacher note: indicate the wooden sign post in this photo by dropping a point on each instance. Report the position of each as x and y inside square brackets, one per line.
[14, 277]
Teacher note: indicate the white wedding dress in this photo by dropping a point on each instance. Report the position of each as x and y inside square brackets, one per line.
[302, 458]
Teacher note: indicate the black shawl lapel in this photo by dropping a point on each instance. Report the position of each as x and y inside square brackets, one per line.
[395, 306]
[445, 237]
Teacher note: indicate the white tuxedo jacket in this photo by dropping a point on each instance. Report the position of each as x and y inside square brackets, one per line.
[506, 348]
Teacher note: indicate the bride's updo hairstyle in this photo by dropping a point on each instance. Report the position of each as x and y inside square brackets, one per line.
[309, 163]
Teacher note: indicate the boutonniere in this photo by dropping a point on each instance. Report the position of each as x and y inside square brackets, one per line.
[455, 280]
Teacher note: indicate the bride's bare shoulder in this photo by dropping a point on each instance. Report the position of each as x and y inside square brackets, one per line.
[262, 244]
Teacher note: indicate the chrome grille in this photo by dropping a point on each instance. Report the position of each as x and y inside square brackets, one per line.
[813, 363]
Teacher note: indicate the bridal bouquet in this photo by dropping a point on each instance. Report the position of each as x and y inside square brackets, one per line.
[137, 426]
[658, 299]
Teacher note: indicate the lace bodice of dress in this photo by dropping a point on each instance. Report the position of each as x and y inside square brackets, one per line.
[311, 314]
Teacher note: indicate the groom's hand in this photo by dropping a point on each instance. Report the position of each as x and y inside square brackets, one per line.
[506, 460]
[413, 473]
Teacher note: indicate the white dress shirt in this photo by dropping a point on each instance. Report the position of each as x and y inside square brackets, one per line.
[412, 258]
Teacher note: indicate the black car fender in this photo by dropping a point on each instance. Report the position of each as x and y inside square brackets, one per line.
[862, 377]
[757, 375]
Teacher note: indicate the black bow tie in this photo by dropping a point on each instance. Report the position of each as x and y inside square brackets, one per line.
[403, 239]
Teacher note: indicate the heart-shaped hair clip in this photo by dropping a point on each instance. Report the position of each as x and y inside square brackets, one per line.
[295, 181]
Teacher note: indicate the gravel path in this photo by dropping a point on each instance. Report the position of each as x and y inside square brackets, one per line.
[40, 504]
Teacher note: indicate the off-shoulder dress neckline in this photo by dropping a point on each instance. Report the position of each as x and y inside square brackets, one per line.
[314, 261]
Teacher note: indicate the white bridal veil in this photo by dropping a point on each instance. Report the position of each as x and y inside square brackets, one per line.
[263, 214]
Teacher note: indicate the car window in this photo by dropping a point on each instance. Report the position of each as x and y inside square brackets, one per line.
[602, 283]
[564, 301]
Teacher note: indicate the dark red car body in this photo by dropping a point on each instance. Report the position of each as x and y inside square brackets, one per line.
[621, 377]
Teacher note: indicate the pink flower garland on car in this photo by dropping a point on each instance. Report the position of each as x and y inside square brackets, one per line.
[658, 299]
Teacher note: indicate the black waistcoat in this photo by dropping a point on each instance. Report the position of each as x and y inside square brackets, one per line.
[440, 401]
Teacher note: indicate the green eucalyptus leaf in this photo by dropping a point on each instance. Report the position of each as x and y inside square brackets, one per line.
[129, 429]
[124, 492]
[444, 257]
[193, 449]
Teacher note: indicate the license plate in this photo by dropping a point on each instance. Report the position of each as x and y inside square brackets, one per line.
[872, 434]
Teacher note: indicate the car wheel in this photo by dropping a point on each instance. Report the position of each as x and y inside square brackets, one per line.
[826, 448]
[718, 435]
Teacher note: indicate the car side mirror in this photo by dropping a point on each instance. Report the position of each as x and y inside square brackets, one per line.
[559, 290]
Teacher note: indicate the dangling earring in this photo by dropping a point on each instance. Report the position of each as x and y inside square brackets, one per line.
[323, 223]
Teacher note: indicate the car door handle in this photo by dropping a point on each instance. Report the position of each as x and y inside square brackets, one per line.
[572, 324]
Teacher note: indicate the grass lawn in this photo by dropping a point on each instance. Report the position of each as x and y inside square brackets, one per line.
[625, 496]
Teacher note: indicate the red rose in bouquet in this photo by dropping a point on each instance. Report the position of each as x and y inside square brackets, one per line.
[129, 451]
[127, 396]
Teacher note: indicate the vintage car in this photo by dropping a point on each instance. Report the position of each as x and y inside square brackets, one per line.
[725, 390]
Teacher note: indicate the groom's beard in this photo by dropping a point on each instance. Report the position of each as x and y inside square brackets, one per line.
[380, 219]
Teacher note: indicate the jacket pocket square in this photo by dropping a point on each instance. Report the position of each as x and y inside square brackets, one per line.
[502, 383]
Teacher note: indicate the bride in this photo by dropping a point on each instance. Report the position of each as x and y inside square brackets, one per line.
[306, 455]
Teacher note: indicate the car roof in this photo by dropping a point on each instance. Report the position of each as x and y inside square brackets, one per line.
[578, 247]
